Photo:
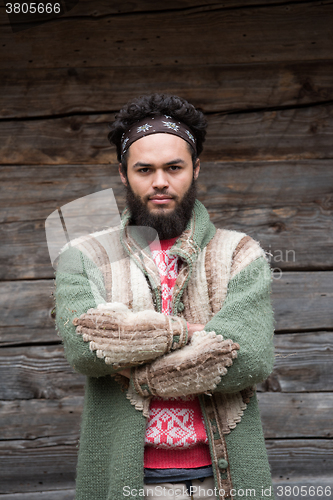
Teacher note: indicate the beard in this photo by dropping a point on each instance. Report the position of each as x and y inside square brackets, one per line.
[167, 225]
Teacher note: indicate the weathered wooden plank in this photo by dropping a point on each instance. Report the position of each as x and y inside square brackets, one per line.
[320, 486]
[289, 134]
[286, 206]
[303, 363]
[44, 465]
[297, 239]
[283, 415]
[306, 415]
[42, 418]
[295, 459]
[37, 465]
[301, 301]
[47, 187]
[298, 32]
[33, 192]
[104, 8]
[38, 92]
[26, 312]
[67, 494]
[38, 372]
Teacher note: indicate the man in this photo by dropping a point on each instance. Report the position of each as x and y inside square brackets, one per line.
[172, 337]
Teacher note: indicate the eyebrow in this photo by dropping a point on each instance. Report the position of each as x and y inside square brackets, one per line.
[172, 162]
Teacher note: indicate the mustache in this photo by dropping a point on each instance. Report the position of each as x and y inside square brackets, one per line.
[160, 192]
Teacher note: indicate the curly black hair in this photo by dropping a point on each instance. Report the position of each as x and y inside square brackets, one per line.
[157, 104]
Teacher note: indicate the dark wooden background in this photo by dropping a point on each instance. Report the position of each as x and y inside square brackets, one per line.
[263, 72]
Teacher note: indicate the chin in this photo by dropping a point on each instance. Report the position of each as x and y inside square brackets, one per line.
[161, 208]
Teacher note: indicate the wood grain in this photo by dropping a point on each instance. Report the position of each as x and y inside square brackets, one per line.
[103, 7]
[284, 493]
[43, 418]
[306, 415]
[297, 238]
[295, 459]
[32, 192]
[39, 453]
[50, 92]
[283, 415]
[260, 34]
[288, 134]
[37, 465]
[44, 464]
[301, 301]
[37, 372]
[59, 494]
[262, 71]
[303, 362]
[308, 483]
[26, 308]
[287, 206]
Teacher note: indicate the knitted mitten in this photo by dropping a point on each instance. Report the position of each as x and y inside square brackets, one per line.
[194, 369]
[125, 338]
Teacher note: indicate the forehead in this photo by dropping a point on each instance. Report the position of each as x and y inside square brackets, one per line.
[159, 148]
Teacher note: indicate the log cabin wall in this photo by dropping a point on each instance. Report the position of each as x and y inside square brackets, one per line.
[262, 71]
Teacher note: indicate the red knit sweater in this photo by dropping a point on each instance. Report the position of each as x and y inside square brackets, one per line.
[175, 435]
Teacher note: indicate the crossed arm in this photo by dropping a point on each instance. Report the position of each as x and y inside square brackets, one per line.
[191, 328]
[164, 357]
[170, 367]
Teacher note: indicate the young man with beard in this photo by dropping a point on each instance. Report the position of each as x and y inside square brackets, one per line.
[172, 337]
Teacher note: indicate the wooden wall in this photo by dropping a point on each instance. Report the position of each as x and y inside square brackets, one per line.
[263, 72]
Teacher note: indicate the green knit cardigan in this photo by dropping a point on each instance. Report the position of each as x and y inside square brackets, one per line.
[110, 462]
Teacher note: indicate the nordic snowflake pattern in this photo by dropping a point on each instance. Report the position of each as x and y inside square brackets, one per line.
[175, 422]
[190, 135]
[171, 125]
[143, 128]
[125, 142]
[176, 427]
[168, 268]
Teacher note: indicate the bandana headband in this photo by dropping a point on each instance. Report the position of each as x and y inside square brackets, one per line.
[155, 125]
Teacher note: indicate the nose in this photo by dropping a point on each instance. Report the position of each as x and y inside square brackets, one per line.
[160, 180]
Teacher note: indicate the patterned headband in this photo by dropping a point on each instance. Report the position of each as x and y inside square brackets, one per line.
[155, 125]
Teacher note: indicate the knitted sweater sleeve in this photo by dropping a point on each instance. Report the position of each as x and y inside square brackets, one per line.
[100, 349]
[75, 293]
[244, 358]
[246, 317]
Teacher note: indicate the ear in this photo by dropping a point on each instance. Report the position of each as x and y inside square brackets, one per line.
[196, 169]
[122, 176]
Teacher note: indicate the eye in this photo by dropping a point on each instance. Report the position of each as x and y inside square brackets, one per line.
[143, 170]
[174, 167]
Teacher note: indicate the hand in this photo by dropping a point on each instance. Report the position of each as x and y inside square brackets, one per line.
[194, 369]
[193, 327]
[126, 372]
[124, 338]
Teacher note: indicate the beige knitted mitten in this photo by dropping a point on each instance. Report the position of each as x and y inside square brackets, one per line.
[124, 338]
[194, 369]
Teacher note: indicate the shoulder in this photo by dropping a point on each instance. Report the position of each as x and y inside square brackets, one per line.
[237, 247]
